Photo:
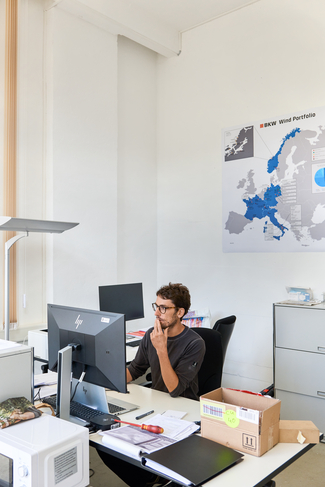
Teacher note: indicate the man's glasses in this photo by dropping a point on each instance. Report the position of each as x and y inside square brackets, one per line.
[162, 309]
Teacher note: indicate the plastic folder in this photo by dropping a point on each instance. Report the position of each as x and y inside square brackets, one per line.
[192, 461]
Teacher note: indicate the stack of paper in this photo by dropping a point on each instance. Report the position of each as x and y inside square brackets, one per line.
[46, 384]
[47, 379]
[134, 442]
[174, 428]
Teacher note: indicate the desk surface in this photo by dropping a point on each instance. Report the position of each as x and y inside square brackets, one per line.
[20, 334]
[251, 472]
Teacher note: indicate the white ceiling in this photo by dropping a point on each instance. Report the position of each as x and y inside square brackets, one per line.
[183, 15]
[156, 24]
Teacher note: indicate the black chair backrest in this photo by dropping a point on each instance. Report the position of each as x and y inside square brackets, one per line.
[210, 373]
[225, 326]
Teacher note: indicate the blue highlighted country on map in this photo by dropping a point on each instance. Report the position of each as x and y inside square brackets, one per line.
[274, 200]
[274, 161]
[266, 207]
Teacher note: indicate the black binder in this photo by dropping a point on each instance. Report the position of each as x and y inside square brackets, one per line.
[192, 461]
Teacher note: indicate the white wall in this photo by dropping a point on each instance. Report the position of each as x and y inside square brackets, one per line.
[87, 154]
[137, 171]
[2, 88]
[31, 189]
[82, 156]
[253, 64]
[103, 164]
[29, 250]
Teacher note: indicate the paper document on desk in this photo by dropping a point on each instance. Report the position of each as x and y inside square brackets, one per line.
[47, 379]
[174, 428]
[174, 414]
[134, 442]
[45, 391]
[45, 384]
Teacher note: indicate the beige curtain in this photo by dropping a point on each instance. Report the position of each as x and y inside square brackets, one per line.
[10, 138]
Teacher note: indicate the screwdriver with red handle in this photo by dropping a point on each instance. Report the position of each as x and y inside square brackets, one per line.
[149, 427]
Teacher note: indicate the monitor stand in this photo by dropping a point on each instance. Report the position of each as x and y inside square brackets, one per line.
[64, 385]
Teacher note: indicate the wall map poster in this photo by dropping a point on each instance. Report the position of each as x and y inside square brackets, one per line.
[274, 184]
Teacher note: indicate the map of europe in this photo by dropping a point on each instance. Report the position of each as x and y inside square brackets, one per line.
[274, 185]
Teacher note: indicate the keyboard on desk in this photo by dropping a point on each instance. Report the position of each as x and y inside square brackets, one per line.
[81, 411]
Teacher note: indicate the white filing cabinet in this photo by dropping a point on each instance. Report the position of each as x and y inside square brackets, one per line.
[299, 362]
[16, 370]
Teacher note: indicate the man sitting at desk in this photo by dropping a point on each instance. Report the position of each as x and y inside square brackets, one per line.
[172, 350]
[175, 354]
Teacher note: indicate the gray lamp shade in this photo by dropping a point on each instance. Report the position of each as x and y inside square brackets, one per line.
[25, 225]
[42, 226]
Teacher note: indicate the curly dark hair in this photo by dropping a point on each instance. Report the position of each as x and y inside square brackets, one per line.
[178, 294]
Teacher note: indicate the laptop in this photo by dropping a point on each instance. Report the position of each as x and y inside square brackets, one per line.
[95, 397]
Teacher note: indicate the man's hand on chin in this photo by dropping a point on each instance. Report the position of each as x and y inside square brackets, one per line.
[159, 337]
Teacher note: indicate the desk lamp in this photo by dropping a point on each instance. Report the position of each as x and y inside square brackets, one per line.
[10, 224]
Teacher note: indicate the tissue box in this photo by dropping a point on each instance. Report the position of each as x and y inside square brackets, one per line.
[298, 432]
[245, 422]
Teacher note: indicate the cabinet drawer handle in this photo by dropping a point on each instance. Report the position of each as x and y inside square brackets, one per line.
[321, 393]
[321, 349]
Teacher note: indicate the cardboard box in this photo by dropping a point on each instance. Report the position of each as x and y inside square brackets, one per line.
[242, 421]
[298, 432]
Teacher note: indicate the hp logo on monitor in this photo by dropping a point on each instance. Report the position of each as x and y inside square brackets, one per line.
[78, 322]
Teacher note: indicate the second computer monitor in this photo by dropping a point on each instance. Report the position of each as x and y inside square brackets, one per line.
[122, 298]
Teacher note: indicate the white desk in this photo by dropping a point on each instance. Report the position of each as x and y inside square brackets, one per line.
[251, 472]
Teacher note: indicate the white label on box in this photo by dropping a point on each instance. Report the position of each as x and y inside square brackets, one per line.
[212, 410]
[250, 415]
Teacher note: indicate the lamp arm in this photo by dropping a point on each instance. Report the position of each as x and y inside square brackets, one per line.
[8, 245]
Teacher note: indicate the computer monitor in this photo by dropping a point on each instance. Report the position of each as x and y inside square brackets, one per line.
[100, 344]
[122, 298]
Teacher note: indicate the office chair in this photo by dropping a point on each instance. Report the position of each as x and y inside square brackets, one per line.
[225, 327]
[210, 373]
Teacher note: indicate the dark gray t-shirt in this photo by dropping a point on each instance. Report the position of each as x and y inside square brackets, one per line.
[185, 351]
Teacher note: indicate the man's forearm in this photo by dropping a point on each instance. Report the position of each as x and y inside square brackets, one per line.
[128, 376]
[168, 374]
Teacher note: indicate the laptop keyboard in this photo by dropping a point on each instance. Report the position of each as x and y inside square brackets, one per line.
[113, 408]
[81, 411]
